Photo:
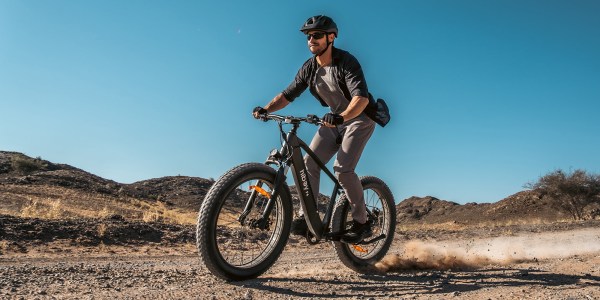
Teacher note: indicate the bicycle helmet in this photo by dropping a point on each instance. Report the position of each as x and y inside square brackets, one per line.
[321, 23]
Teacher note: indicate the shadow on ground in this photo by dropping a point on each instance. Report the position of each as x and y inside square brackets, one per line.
[422, 283]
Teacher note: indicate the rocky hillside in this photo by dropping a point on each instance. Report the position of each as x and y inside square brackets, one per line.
[41, 186]
[25, 180]
[521, 208]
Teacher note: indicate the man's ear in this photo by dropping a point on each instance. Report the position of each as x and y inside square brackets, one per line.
[330, 37]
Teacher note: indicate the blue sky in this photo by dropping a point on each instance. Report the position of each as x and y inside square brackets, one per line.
[485, 96]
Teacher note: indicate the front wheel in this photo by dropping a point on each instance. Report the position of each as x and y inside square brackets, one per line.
[381, 210]
[230, 241]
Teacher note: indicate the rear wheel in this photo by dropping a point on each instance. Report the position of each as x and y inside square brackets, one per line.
[235, 248]
[381, 210]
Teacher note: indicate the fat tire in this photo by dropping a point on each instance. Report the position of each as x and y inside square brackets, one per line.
[340, 211]
[208, 215]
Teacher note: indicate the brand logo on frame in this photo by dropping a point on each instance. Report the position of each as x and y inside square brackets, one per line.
[304, 180]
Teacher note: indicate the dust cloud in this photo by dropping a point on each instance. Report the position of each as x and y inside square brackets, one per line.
[477, 253]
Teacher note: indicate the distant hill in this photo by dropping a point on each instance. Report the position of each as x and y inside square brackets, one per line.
[522, 207]
[180, 191]
[39, 188]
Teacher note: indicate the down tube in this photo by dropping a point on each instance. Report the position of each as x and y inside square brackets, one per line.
[307, 199]
[336, 188]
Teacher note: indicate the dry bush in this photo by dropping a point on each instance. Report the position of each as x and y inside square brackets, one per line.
[49, 209]
[61, 203]
[27, 165]
[102, 228]
[30, 210]
[159, 212]
[569, 191]
[152, 215]
[3, 245]
[105, 212]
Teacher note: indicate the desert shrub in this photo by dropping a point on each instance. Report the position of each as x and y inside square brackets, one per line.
[30, 210]
[153, 215]
[569, 191]
[43, 209]
[27, 165]
[102, 229]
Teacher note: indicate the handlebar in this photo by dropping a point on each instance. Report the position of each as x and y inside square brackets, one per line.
[310, 119]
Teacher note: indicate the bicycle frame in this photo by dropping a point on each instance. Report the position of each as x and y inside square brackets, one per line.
[290, 155]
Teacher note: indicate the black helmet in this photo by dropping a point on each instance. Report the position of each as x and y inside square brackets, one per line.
[321, 23]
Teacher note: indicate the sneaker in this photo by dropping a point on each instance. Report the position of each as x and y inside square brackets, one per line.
[299, 226]
[357, 233]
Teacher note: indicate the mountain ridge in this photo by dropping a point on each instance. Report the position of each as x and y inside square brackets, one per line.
[21, 174]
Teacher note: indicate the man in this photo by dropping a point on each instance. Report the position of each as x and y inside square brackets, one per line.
[335, 78]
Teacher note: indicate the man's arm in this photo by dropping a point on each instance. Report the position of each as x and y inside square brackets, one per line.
[277, 103]
[355, 108]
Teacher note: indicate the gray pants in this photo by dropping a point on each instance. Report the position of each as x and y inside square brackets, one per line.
[356, 134]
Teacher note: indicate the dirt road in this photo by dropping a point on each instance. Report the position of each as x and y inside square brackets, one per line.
[550, 265]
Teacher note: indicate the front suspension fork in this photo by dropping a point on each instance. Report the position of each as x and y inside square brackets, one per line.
[262, 222]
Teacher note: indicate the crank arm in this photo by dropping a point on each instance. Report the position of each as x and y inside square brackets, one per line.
[334, 236]
[373, 240]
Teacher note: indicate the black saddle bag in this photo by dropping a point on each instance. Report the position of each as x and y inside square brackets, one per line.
[378, 111]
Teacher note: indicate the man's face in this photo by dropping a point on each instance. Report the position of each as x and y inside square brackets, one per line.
[317, 41]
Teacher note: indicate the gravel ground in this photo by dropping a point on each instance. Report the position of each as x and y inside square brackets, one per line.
[542, 269]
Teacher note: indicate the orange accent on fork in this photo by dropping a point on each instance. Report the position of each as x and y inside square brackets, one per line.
[359, 248]
[260, 191]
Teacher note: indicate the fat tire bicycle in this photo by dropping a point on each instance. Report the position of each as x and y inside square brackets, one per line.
[245, 218]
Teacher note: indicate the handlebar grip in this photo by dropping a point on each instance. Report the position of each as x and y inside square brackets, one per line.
[312, 119]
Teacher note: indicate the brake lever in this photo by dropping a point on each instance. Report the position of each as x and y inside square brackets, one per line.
[313, 119]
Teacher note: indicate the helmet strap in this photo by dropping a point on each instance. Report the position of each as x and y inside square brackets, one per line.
[328, 44]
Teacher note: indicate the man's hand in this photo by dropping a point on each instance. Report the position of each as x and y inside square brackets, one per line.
[332, 120]
[258, 111]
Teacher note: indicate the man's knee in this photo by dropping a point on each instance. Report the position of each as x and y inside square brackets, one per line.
[308, 160]
[311, 164]
[346, 177]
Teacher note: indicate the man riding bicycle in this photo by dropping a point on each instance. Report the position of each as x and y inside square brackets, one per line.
[336, 79]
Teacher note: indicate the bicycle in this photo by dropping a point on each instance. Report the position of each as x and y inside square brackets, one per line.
[244, 221]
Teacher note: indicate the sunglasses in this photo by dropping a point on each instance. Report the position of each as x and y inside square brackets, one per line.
[317, 35]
